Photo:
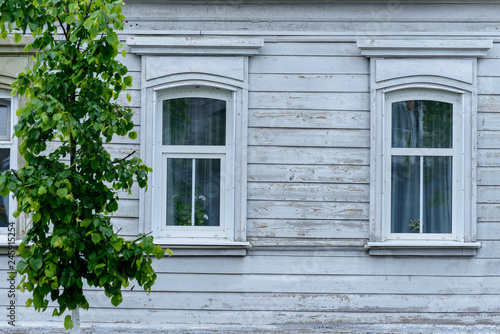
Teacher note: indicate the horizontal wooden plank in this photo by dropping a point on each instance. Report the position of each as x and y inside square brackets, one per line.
[488, 121]
[331, 101]
[415, 285]
[288, 228]
[488, 194]
[309, 137]
[309, 192]
[488, 103]
[488, 176]
[127, 208]
[488, 67]
[310, 155]
[488, 212]
[488, 139]
[309, 49]
[489, 249]
[308, 65]
[132, 61]
[347, 244]
[304, 264]
[488, 157]
[418, 285]
[488, 85]
[359, 11]
[119, 151]
[104, 320]
[126, 226]
[307, 210]
[134, 194]
[488, 230]
[296, 302]
[309, 83]
[323, 119]
[135, 101]
[309, 173]
[126, 139]
[314, 27]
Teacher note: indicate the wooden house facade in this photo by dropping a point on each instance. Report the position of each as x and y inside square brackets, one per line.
[346, 178]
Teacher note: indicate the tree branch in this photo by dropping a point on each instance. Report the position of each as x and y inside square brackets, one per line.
[62, 26]
[142, 236]
[128, 156]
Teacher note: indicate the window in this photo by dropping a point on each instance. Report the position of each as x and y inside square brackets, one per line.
[8, 155]
[423, 146]
[196, 124]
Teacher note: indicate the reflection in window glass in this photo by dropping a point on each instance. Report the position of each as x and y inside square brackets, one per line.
[405, 194]
[193, 192]
[4, 201]
[437, 187]
[422, 124]
[421, 205]
[194, 121]
[4, 119]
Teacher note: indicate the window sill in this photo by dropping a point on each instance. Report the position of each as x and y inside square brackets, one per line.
[422, 248]
[204, 246]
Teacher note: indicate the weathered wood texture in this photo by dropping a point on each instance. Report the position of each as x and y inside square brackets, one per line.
[308, 178]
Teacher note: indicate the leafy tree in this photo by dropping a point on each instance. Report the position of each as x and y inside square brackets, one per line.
[69, 192]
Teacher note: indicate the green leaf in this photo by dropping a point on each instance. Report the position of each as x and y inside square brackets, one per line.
[132, 135]
[37, 217]
[96, 238]
[21, 265]
[116, 300]
[68, 323]
[94, 164]
[35, 263]
[29, 302]
[127, 81]
[70, 19]
[56, 241]
[17, 37]
[61, 192]
[42, 190]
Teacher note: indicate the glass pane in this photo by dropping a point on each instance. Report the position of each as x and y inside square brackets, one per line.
[405, 194]
[179, 190]
[207, 205]
[422, 124]
[437, 194]
[4, 201]
[4, 120]
[194, 121]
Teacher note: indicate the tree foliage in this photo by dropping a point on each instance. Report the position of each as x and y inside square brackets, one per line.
[69, 189]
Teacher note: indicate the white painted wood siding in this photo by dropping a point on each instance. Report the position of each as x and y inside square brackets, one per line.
[308, 181]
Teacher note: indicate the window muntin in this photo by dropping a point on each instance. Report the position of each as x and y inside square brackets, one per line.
[196, 127]
[422, 145]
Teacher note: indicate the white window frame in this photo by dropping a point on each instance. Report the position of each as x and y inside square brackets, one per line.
[12, 146]
[224, 153]
[456, 153]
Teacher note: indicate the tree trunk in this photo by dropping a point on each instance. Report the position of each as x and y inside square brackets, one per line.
[75, 316]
